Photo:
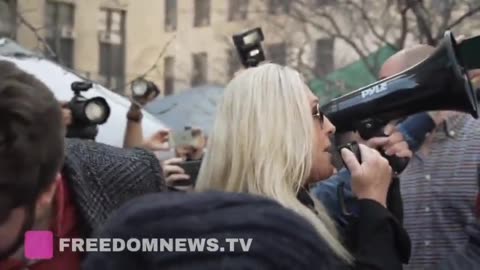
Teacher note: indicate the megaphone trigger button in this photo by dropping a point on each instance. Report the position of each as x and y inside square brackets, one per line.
[354, 148]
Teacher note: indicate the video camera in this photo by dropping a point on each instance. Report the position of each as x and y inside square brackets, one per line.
[87, 114]
[249, 47]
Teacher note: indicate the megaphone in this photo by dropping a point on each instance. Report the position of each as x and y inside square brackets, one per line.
[439, 82]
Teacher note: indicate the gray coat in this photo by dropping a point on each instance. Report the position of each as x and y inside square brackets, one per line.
[101, 178]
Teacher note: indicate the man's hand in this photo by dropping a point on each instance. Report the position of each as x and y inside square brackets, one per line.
[174, 173]
[393, 145]
[66, 113]
[475, 77]
[158, 142]
[371, 179]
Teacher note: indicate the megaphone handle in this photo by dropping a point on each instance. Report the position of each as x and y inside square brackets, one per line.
[398, 164]
[352, 146]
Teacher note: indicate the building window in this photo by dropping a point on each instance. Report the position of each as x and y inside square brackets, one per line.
[170, 15]
[324, 60]
[200, 69]
[278, 6]
[233, 62]
[8, 16]
[169, 75]
[238, 10]
[111, 31]
[278, 53]
[202, 13]
[60, 34]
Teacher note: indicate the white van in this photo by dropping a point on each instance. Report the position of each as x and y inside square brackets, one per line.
[59, 79]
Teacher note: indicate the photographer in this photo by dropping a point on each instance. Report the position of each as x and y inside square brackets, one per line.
[82, 115]
[142, 92]
[67, 186]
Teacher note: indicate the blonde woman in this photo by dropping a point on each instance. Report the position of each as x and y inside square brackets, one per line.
[270, 138]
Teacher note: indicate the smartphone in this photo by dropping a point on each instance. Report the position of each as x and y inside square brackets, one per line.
[184, 138]
[191, 167]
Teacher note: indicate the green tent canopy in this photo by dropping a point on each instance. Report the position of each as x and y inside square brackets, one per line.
[350, 77]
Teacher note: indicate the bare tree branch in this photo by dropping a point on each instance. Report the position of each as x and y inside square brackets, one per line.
[152, 68]
[370, 25]
[423, 23]
[445, 17]
[364, 25]
[346, 39]
[402, 10]
[39, 37]
[468, 14]
[334, 30]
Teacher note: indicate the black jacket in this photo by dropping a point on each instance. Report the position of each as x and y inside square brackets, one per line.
[374, 235]
[376, 238]
[101, 178]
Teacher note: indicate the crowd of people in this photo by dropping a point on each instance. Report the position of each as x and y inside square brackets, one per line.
[267, 173]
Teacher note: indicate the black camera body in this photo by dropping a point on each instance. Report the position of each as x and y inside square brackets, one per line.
[249, 47]
[87, 114]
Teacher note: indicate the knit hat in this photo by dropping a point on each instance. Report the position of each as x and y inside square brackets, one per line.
[280, 239]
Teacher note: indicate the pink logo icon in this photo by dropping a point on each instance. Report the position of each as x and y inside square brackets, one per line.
[39, 245]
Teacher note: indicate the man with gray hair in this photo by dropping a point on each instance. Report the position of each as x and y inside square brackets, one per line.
[439, 185]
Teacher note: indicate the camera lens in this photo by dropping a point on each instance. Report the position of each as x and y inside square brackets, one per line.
[96, 111]
[93, 111]
[139, 87]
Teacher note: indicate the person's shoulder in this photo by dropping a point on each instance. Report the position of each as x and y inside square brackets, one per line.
[93, 167]
[89, 148]
[85, 155]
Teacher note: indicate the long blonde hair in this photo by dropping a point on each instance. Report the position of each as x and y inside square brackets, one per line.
[262, 143]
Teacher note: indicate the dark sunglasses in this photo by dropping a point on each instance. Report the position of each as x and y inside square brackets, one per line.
[319, 115]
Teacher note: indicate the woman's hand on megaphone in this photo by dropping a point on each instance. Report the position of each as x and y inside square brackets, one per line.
[370, 179]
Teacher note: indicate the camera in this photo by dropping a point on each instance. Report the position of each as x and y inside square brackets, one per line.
[143, 89]
[87, 114]
[249, 47]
